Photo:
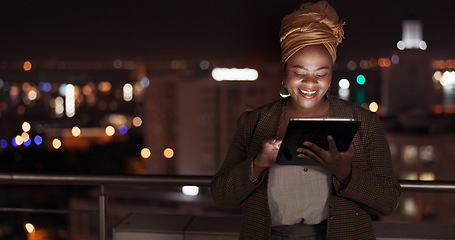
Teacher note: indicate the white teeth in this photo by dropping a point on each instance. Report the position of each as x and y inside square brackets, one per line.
[307, 91]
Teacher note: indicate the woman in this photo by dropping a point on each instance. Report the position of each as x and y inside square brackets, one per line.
[333, 200]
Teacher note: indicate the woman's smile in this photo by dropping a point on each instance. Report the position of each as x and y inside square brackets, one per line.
[308, 93]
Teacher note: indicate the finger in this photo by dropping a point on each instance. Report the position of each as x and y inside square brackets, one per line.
[315, 148]
[277, 143]
[332, 144]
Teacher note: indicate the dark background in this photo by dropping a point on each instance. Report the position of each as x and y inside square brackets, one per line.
[165, 30]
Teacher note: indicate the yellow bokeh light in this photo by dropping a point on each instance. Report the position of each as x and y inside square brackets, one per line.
[373, 107]
[426, 176]
[27, 66]
[168, 153]
[56, 143]
[76, 131]
[25, 137]
[19, 140]
[110, 130]
[26, 126]
[29, 227]
[146, 153]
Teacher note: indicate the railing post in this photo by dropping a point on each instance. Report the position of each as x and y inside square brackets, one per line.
[102, 213]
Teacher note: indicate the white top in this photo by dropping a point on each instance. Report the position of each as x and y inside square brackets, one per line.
[298, 194]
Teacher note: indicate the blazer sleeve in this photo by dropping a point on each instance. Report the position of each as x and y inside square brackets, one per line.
[231, 185]
[373, 184]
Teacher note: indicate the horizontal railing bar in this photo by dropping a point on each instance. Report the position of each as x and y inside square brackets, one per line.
[428, 186]
[92, 180]
[51, 211]
[175, 180]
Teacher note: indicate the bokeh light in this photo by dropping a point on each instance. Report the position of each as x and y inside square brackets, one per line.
[190, 190]
[56, 143]
[344, 83]
[18, 140]
[110, 130]
[38, 140]
[137, 121]
[168, 153]
[26, 126]
[3, 143]
[123, 129]
[76, 131]
[27, 66]
[29, 227]
[361, 79]
[373, 107]
[146, 153]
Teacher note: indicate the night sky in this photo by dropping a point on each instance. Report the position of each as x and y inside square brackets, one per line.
[170, 29]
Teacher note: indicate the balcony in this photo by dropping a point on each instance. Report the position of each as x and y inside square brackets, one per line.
[194, 218]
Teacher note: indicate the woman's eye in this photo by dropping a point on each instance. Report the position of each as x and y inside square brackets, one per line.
[299, 74]
[321, 76]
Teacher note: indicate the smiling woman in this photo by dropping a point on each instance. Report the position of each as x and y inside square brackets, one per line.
[335, 198]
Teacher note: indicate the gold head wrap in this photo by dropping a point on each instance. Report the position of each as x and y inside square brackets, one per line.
[311, 24]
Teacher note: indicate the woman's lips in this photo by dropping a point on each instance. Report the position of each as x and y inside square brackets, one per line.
[308, 93]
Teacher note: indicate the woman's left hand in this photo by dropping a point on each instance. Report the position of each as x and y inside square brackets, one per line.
[339, 163]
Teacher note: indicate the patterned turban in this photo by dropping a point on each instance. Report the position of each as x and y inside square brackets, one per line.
[311, 24]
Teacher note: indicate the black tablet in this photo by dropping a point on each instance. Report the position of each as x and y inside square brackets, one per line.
[316, 131]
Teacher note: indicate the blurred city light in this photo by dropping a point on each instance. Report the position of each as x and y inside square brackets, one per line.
[127, 92]
[27, 142]
[373, 107]
[26, 126]
[426, 176]
[62, 89]
[190, 190]
[123, 129]
[448, 79]
[38, 140]
[3, 143]
[104, 87]
[110, 130]
[352, 65]
[146, 153]
[44, 86]
[70, 101]
[361, 79]
[235, 74]
[145, 82]
[27, 66]
[204, 64]
[137, 121]
[29, 227]
[168, 153]
[76, 131]
[18, 140]
[344, 83]
[395, 59]
[56, 143]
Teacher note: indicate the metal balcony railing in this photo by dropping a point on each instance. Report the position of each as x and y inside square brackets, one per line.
[154, 180]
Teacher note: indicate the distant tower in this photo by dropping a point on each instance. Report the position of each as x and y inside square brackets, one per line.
[407, 84]
[412, 36]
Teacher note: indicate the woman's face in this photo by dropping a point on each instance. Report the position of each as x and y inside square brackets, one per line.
[308, 75]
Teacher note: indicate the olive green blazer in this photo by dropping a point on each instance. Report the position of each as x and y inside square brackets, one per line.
[373, 189]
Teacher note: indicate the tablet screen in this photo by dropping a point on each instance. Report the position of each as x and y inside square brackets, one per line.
[316, 131]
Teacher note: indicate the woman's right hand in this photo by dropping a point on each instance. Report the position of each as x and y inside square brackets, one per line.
[267, 157]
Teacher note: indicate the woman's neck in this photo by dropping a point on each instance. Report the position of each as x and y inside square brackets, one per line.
[322, 110]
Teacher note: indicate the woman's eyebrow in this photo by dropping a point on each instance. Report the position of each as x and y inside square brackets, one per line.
[304, 68]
